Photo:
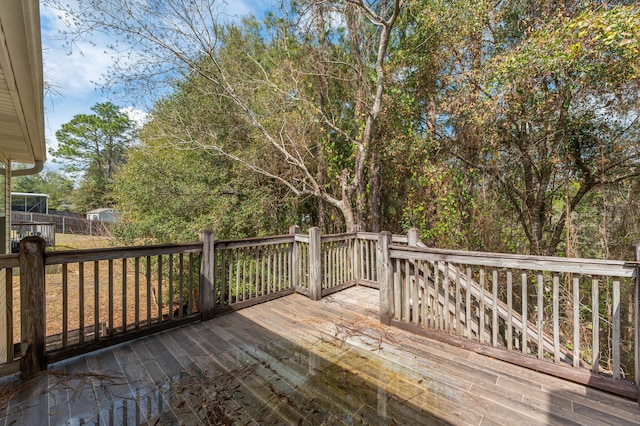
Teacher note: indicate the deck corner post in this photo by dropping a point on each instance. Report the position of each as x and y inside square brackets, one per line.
[637, 321]
[295, 258]
[315, 264]
[413, 237]
[207, 276]
[32, 306]
[386, 277]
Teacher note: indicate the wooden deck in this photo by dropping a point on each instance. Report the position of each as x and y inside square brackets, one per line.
[296, 361]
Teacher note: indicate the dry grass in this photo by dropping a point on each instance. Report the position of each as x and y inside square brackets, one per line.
[76, 242]
[122, 308]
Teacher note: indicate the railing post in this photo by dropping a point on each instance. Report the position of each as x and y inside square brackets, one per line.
[315, 264]
[413, 236]
[295, 258]
[385, 277]
[207, 276]
[637, 321]
[32, 306]
[355, 259]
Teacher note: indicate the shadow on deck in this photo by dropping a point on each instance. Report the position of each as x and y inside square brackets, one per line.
[296, 361]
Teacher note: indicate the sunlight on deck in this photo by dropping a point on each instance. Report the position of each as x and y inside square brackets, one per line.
[295, 361]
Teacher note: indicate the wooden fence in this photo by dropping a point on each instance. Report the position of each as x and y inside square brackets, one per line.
[574, 318]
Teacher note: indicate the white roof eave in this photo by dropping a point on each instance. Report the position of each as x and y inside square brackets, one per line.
[21, 83]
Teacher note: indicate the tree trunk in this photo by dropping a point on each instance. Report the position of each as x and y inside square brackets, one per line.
[321, 83]
[375, 199]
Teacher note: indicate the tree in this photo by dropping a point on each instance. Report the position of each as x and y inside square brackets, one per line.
[55, 184]
[170, 192]
[95, 144]
[559, 116]
[536, 107]
[267, 88]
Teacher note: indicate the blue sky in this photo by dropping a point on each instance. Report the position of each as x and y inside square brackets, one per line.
[74, 77]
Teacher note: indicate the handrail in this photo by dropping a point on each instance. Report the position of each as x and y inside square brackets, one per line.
[9, 261]
[614, 268]
[89, 255]
[253, 242]
[164, 282]
[332, 238]
[531, 306]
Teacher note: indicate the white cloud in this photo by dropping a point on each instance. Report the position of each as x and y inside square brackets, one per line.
[75, 74]
[71, 72]
[136, 115]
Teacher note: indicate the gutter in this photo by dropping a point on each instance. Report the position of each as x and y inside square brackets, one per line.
[37, 168]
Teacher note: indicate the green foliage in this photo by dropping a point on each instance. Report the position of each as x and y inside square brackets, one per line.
[503, 126]
[55, 184]
[173, 185]
[95, 145]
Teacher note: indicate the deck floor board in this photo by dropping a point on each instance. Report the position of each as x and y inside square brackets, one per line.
[295, 361]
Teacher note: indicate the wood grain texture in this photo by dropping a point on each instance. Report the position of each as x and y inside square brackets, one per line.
[32, 306]
[296, 361]
[612, 268]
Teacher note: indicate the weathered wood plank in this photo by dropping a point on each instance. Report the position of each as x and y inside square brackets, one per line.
[406, 293]
[90, 255]
[170, 296]
[253, 242]
[612, 268]
[581, 376]
[159, 283]
[110, 290]
[251, 302]
[616, 330]
[93, 345]
[539, 322]
[8, 291]
[337, 288]
[8, 261]
[287, 345]
[315, 264]
[494, 324]
[636, 319]
[576, 321]
[136, 290]
[595, 325]
[436, 284]
[525, 306]
[32, 306]
[556, 317]
[509, 333]
[467, 311]
[81, 302]
[456, 322]
[482, 307]
[65, 307]
[148, 281]
[96, 300]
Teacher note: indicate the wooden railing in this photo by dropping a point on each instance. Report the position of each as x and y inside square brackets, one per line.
[69, 302]
[574, 318]
[9, 313]
[98, 297]
[559, 312]
[252, 271]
